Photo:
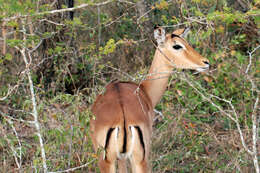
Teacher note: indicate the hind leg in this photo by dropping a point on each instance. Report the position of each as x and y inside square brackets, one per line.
[106, 165]
[107, 158]
[139, 163]
[139, 156]
[140, 166]
[122, 166]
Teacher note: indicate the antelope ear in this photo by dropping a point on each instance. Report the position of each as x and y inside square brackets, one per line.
[159, 35]
[183, 32]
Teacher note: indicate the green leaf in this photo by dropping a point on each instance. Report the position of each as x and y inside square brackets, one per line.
[257, 20]
[58, 49]
[109, 47]
[8, 57]
[213, 8]
[14, 42]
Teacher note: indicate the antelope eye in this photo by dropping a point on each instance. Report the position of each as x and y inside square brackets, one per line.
[177, 47]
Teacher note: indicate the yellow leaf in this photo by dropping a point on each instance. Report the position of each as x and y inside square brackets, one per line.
[233, 52]
[216, 57]
[162, 5]
[220, 29]
[94, 155]
[54, 116]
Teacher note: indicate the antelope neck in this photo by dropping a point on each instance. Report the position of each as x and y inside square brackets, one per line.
[157, 79]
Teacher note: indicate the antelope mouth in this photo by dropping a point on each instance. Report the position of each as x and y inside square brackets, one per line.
[202, 69]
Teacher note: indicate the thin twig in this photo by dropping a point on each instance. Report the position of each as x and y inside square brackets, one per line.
[10, 90]
[52, 22]
[75, 168]
[197, 20]
[127, 2]
[36, 47]
[10, 144]
[250, 58]
[15, 119]
[57, 11]
[233, 118]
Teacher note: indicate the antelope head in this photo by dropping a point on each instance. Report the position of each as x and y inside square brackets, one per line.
[178, 51]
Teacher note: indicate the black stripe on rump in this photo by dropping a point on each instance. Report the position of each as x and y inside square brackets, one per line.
[141, 138]
[109, 132]
[122, 108]
[125, 138]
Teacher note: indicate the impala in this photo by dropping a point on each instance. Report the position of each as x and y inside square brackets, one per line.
[124, 113]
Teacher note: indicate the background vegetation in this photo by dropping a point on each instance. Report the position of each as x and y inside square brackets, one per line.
[55, 60]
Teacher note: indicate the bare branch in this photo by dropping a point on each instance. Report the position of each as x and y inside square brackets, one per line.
[34, 104]
[36, 47]
[127, 2]
[250, 58]
[52, 22]
[13, 88]
[17, 156]
[192, 19]
[233, 118]
[255, 135]
[10, 90]
[207, 98]
[75, 168]
[57, 11]
[15, 119]
[159, 113]
[19, 164]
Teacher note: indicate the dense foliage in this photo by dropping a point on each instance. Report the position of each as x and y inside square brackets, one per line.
[70, 58]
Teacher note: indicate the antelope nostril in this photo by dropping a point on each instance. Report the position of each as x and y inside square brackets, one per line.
[206, 62]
